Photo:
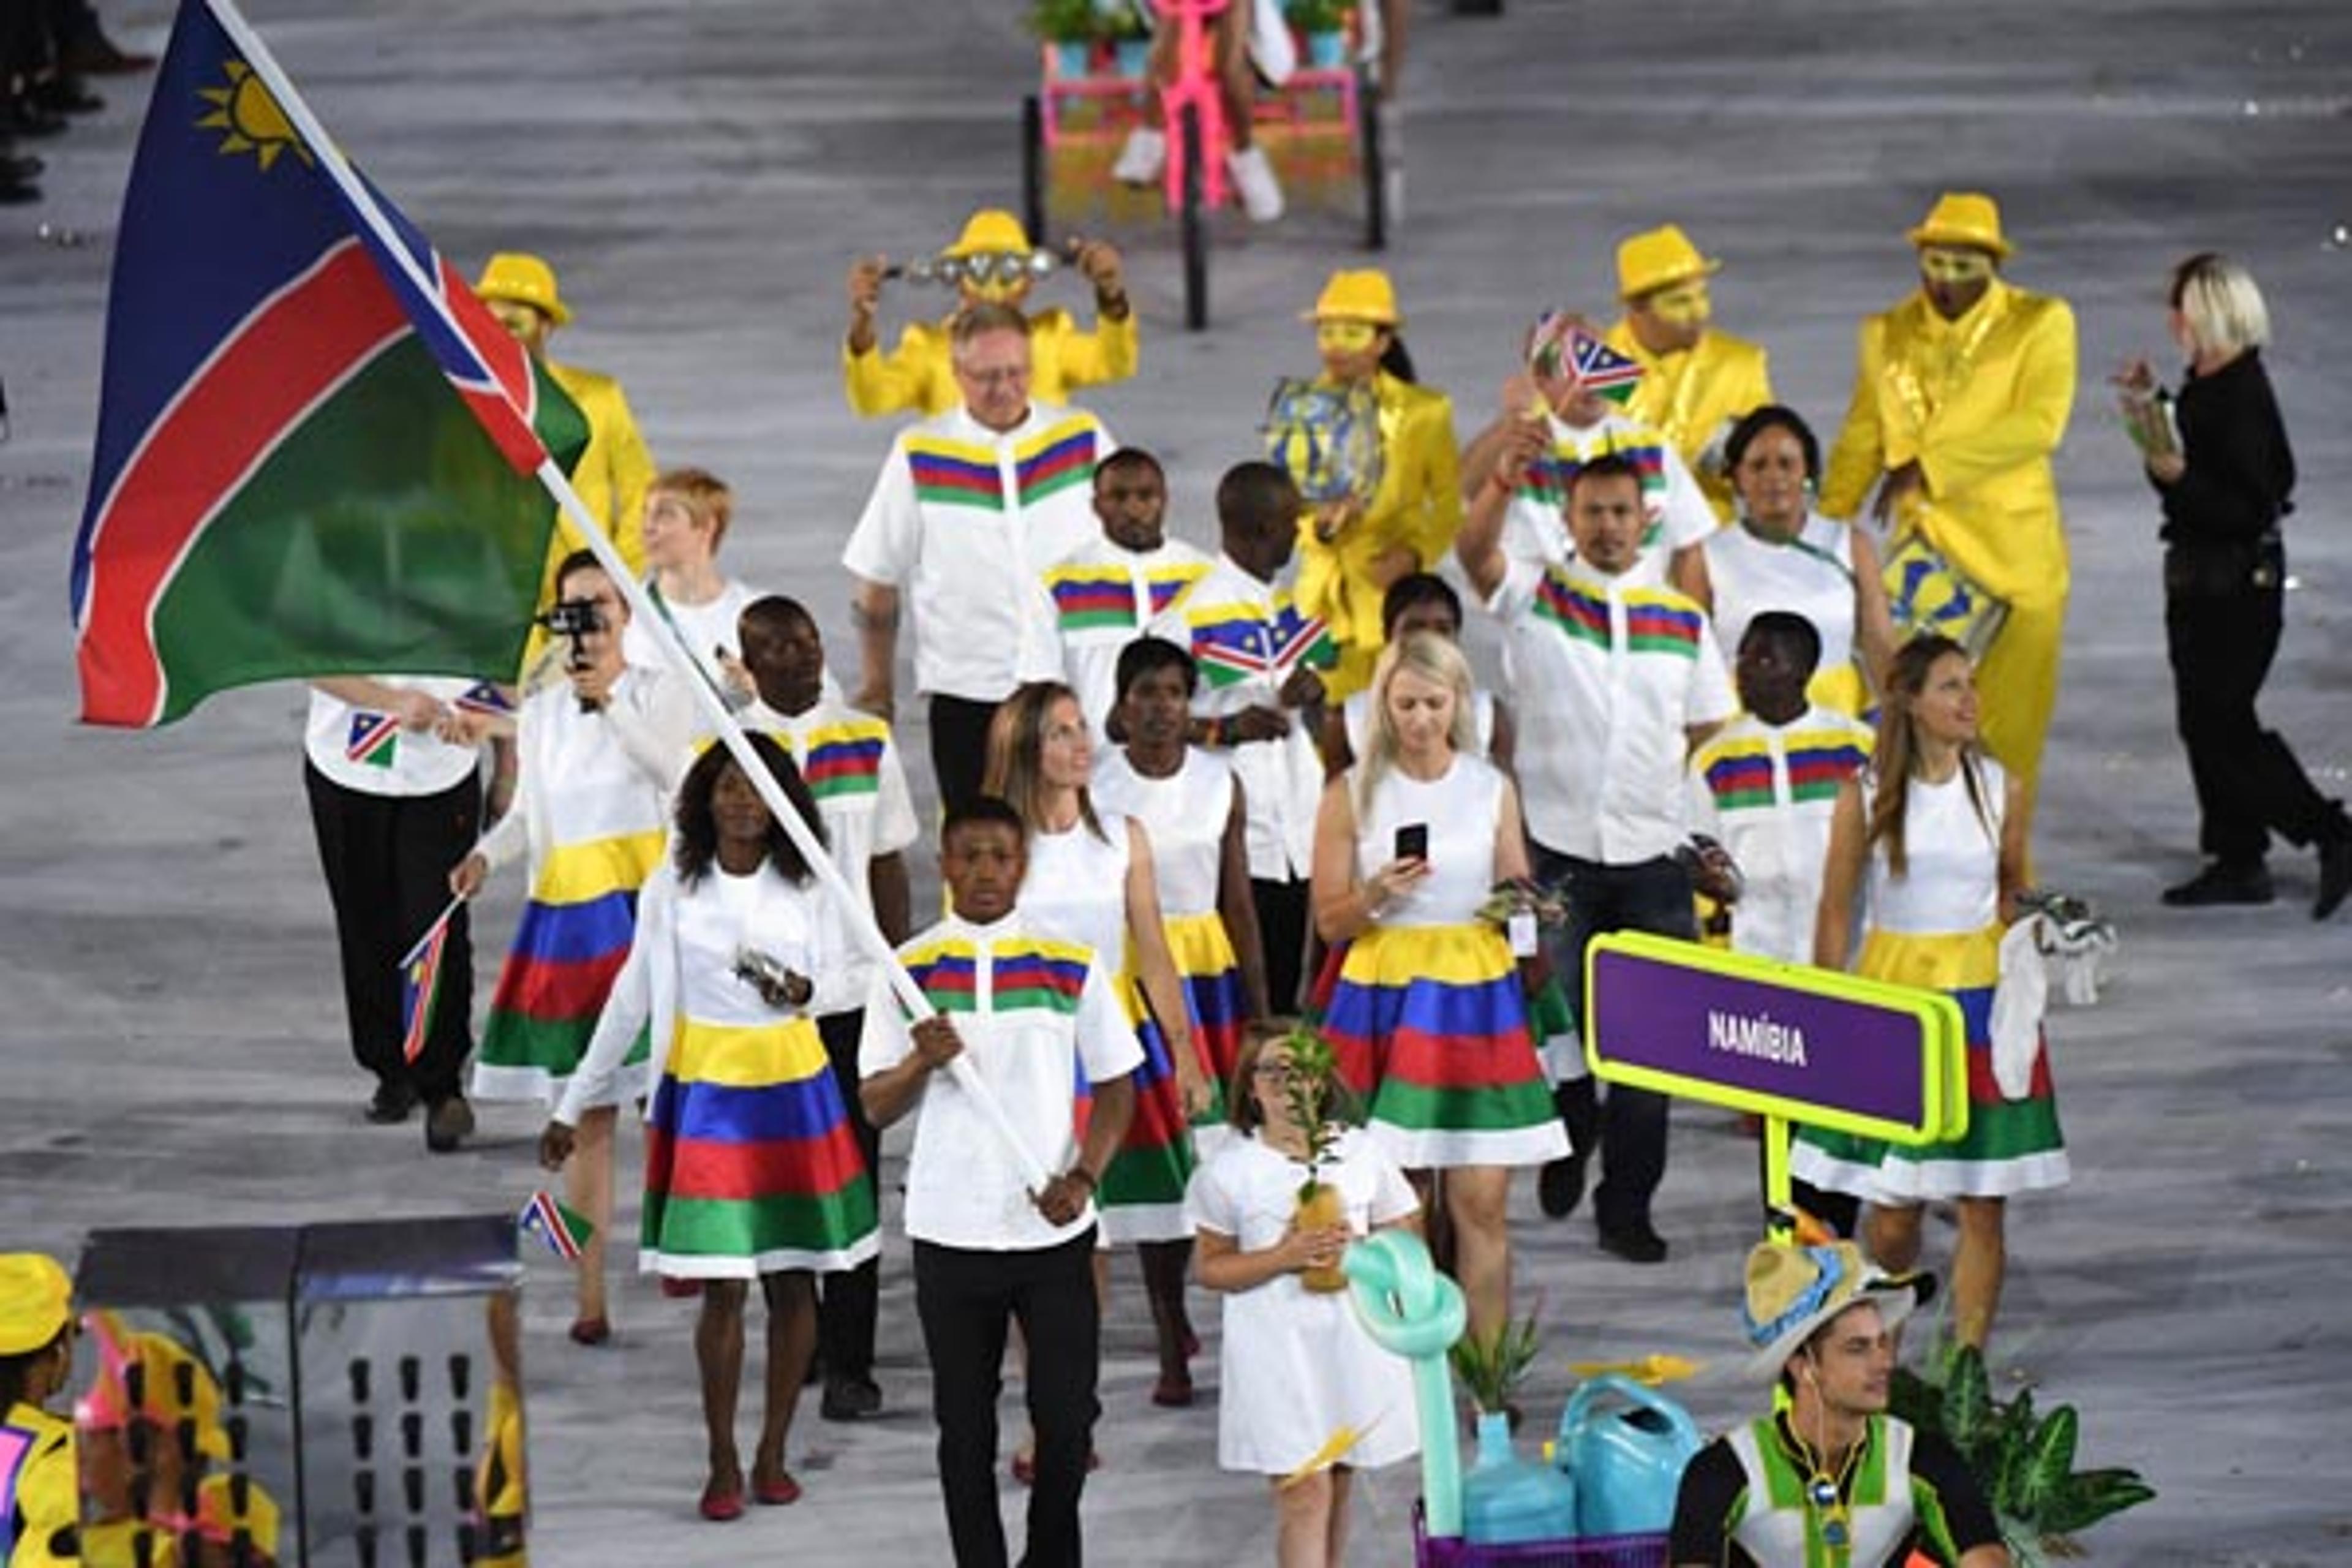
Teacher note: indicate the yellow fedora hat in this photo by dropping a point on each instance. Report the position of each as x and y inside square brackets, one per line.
[1361, 296]
[991, 231]
[1654, 258]
[526, 280]
[1968, 219]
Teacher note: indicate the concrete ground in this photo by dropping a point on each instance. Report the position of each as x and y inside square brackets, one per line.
[702, 172]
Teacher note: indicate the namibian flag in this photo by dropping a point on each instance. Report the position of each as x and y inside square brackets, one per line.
[1602, 370]
[315, 448]
[484, 696]
[374, 739]
[565, 1231]
[420, 985]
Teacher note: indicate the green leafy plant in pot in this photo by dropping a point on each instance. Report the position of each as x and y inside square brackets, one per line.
[1312, 1094]
[1063, 21]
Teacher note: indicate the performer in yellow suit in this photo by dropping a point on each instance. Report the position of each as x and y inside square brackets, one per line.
[1961, 397]
[1695, 382]
[614, 469]
[1350, 551]
[40, 1505]
[916, 376]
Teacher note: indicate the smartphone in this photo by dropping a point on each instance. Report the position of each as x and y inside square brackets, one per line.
[1413, 841]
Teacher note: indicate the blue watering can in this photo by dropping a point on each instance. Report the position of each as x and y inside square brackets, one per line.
[1628, 1462]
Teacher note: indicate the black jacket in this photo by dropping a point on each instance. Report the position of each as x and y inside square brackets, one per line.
[2241, 470]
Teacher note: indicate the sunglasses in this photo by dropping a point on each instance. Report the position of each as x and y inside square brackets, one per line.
[1002, 268]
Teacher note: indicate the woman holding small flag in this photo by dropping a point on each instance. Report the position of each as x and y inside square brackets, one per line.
[598, 756]
[752, 1170]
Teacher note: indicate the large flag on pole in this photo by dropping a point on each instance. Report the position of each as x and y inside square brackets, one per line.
[303, 466]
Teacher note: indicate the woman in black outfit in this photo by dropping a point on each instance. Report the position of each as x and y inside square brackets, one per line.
[2224, 493]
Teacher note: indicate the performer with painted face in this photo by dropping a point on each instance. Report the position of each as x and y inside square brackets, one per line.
[1374, 457]
[1960, 402]
[1696, 381]
[991, 261]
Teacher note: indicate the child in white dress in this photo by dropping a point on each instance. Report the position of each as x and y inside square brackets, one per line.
[1298, 1368]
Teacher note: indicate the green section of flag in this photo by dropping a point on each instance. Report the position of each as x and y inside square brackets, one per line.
[383, 532]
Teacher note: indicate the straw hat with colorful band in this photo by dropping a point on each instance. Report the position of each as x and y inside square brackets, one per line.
[1652, 259]
[1792, 1291]
[990, 231]
[1968, 218]
[36, 1301]
[1365, 296]
[525, 280]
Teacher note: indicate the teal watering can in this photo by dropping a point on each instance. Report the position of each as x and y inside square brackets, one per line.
[1626, 1446]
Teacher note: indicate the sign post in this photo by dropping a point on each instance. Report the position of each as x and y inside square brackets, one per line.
[1786, 1042]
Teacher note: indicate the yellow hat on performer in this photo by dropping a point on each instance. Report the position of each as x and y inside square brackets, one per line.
[36, 1301]
[1656, 257]
[991, 231]
[1364, 296]
[1968, 218]
[525, 280]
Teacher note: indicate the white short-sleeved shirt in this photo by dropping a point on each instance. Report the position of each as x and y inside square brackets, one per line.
[1610, 675]
[964, 520]
[850, 763]
[1247, 636]
[368, 751]
[1535, 527]
[709, 630]
[1102, 597]
[1033, 1012]
[1767, 792]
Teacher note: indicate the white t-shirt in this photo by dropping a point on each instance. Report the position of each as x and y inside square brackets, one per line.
[1101, 597]
[1033, 1012]
[708, 629]
[368, 751]
[1767, 792]
[1609, 677]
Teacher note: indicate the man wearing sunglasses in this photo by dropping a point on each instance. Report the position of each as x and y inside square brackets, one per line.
[990, 262]
[1695, 382]
[1960, 399]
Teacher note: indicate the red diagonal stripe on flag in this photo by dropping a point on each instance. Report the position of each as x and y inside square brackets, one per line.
[295, 349]
[506, 405]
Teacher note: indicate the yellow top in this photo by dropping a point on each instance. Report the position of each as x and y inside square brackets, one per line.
[615, 472]
[46, 1503]
[916, 375]
[1692, 398]
[1418, 505]
[1981, 403]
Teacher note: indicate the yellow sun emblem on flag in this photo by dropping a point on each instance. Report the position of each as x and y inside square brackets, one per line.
[255, 123]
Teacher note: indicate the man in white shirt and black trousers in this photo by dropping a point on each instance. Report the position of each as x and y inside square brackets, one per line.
[1615, 682]
[1035, 1016]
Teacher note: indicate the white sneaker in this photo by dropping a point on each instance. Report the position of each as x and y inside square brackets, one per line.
[1261, 193]
[1142, 159]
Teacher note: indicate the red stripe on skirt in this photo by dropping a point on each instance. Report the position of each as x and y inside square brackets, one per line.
[1984, 1090]
[703, 1168]
[1461, 1061]
[554, 991]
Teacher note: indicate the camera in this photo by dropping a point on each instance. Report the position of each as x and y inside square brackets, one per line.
[573, 619]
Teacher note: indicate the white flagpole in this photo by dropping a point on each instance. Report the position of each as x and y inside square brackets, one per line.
[641, 607]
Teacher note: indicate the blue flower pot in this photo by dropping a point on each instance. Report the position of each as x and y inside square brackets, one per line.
[1073, 59]
[1134, 56]
[1327, 52]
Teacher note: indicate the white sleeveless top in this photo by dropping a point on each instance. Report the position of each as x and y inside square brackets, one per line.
[1185, 815]
[1812, 576]
[1951, 883]
[1355, 714]
[1075, 887]
[1460, 810]
[723, 914]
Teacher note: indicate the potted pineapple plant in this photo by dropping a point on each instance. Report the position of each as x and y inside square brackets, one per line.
[1312, 1094]
[1069, 29]
[1323, 24]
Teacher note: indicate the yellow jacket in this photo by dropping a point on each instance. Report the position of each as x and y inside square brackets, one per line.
[1981, 404]
[45, 1505]
[1692, 398]
[615, 472]
[917, 376]
[1418, 505]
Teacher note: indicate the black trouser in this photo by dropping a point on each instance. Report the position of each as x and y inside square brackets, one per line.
[959, 747]
[2248, 782]
[1652, 896]
[1282, 932]
[965, 1299]
[847, 1302]
[387, 861]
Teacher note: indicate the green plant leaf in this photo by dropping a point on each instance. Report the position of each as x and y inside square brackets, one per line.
[1969, 1413]
[2049, 1461]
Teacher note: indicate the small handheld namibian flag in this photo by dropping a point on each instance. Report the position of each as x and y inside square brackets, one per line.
[565, 1231]
[374, 740]
[420, 984]
[1602, 370]
[484, 696]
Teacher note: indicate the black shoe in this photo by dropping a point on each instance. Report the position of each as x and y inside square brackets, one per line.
[16, 192]
[448, 1123]
[67, 95]
[2223, 883]
[850, 1399]
[394, 1099]
[2335, 876]
[94, 54]
[1636, 1243]
[1560, 1186]
[25, 118]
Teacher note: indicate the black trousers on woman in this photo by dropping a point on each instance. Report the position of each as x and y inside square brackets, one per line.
[2249, 785]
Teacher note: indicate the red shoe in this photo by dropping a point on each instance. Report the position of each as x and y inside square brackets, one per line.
[591, 1330]
[778, 1493]
[722, 1500]
[1024, 1465]
[678, 1290]
[1172, 1393]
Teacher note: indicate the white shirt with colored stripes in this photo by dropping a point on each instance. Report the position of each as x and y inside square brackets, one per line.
[1766, 793]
